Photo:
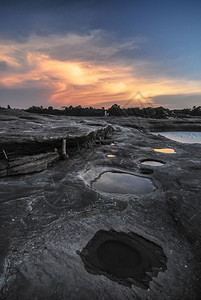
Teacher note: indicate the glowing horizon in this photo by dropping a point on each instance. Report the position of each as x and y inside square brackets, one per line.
[74, 82]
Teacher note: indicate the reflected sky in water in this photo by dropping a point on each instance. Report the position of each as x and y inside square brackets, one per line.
[182, 136]
[165, 150]
[153, 163]
[123, 183]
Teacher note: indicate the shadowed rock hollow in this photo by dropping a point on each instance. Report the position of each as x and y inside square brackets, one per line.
[125, 258]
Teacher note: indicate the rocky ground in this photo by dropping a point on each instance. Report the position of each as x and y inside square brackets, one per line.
[56, 229]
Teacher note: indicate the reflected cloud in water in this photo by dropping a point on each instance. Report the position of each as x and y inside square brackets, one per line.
[153, 163]
[165, 150]
[123, 183]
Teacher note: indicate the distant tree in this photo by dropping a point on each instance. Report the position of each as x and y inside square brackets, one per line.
[8, 107]
[114, 110]
[196, 111]
[148, 112]
[50, 108]
[160, 112]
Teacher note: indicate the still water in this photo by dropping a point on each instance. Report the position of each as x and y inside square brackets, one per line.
[153, 163]
[182, 136]
[165, 150]
[123, 183]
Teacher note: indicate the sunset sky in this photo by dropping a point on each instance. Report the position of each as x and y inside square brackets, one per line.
[98, 52]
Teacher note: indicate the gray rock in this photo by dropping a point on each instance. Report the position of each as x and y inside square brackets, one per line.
[48, 218]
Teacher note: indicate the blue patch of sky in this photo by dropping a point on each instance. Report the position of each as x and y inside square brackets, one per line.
[172, 28]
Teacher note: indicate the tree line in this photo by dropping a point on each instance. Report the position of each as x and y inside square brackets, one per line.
[116, 110]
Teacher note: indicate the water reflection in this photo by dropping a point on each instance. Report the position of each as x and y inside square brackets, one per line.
[165, 150]
[123, 183]
[153, 163]
[111, 155]
[182, 136]
[112, 144]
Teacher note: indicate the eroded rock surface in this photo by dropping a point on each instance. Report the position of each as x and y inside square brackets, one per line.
[48, 218]
[31, 142]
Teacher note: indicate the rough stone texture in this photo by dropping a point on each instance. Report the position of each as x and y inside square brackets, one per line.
[22, 127]
[47, 217]
[27, 141]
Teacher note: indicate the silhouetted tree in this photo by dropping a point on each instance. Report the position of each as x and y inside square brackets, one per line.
[114, 110]
[50, 108]
[196, 111]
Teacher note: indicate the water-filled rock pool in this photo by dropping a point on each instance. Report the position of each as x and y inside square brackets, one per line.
[152, 163]
[123, 183]
[182, 136]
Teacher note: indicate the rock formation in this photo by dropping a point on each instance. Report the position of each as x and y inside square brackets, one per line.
[58, 233]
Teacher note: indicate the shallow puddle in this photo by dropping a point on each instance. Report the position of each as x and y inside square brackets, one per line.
[123, 183]
[153, 163]
[111, 155]
[189, 137]
[165, 150]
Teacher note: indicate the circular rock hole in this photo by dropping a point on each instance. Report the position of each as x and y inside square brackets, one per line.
[118, 255]
[125, 258]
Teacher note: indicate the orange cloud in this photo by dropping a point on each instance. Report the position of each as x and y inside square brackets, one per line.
[82, 81]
